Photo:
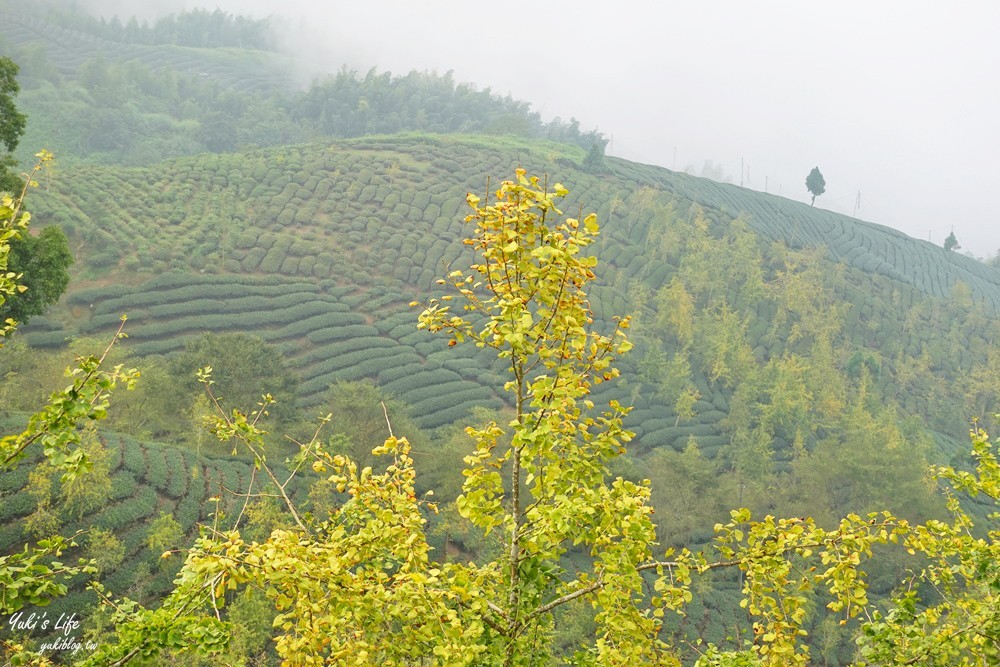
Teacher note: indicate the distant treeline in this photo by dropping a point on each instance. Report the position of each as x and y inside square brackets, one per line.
[350, 105]
[198, 28]
[347, 104]
[139, 112]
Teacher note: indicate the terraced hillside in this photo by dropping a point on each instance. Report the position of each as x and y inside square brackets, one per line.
[147, 480]
[318, 248]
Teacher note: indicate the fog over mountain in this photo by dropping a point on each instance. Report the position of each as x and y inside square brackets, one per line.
[895, 103]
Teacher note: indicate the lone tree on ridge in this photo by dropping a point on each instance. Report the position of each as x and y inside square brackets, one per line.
[816, 184]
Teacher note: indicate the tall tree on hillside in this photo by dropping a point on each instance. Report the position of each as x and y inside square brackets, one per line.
[816, 184]
[594, 162]
[40, 262]
[951, 243]
[244, 368]
[11, 124]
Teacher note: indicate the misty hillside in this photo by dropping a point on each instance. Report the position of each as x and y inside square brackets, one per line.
[64, 45]
[787, 358]
[136, 103]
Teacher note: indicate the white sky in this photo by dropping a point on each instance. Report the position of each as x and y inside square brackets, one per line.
[900, 100]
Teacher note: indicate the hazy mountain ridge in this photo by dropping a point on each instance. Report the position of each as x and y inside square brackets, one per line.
[67, 49]
[865, 245]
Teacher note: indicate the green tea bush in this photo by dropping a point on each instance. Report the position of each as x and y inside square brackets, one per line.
[213, 488]
[368, 193]
[421, 382]
[232, 480]
[222, 287]
[390, 201]
[16, 505]
[134, 459]
[380, 302]
[421, 200]
[99, 322]
[401, 321]
[371, 367]
[426, 278]
[118, 516]
[179, 472]
[187, 511]
[439, 397]
[164, 346]
[323, 267]
[122, 577]
[14, 480]
[340, 332]
[350, 345]
[400, 370]
[450, 207]
[134, 539]
[47, 339]
[123, 485]
[340, 361]
[272, 260]
[427, 347]
[305, 327]
[182, 308]
[228, 321]
[157, 473]
[456, 412]
[452, 254]
[11, 534]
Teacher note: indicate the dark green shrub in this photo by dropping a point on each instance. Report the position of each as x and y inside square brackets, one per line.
[17, 505]
[341, 332]
[119, 515]
[156, 467]
[180, 475]
[134, 458]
